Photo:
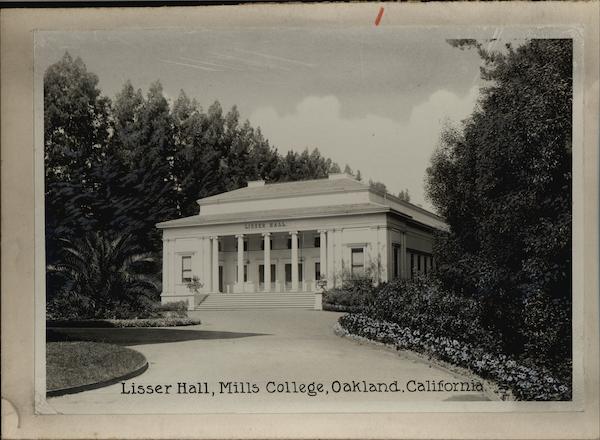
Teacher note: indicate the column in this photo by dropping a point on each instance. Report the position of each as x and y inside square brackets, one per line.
[215, 264]
[240, 261]
[165, 267]
[294, 235]
[323, 254]
[339, 257]
[206, 265]
[173, 275]
[383, 240]
[267, 261]
[330, 260]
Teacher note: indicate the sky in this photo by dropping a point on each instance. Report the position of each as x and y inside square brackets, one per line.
[374, 98]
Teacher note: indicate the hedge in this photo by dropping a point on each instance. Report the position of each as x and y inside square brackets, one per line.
[123, 323]
[526, 383]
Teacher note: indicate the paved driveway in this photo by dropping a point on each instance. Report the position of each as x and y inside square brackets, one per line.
[250, 349]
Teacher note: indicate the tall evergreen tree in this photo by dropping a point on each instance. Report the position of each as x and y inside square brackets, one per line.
[76, 131]
[196, 162]
[503, 182]
[128, 129]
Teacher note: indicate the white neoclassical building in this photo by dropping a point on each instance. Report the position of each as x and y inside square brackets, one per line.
[276, 245]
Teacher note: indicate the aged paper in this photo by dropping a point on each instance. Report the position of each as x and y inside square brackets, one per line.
[31, 39]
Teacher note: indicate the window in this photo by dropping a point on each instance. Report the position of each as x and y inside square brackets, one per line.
[317, 271]
[358, 261]
[318, 241]
[397, 261]
[289, 243]
[245, 273]
[288, 272]
[186, 268]
[261, 273]
[412, 265]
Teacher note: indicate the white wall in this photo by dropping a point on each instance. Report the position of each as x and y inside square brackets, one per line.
[375, 232]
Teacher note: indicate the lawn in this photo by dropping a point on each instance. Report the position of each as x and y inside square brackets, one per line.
[71, 364]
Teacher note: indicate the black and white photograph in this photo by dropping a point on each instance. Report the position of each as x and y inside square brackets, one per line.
[309, 217]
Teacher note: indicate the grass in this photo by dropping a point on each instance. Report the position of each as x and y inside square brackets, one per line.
[70, 364]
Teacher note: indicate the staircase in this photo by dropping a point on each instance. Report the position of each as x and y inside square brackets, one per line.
[245, 301]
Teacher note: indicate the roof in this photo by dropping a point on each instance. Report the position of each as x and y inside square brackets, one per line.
[287, 189]
[280, 214]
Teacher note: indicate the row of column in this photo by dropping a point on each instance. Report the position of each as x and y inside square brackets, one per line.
[324, 250]
[267, 260]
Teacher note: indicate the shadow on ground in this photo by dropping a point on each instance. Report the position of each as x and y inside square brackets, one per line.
[139, 336]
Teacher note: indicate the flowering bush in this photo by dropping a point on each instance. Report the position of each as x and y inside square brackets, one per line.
[526, 383]
[123, 323]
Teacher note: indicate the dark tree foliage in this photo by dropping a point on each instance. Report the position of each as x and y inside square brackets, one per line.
[116, 169]
[303, 166]
[113, 269]
[378, 186]
[76, 128]
[404, 195]
[503, 183]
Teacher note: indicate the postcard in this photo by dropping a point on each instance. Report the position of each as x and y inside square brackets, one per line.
[301, 221]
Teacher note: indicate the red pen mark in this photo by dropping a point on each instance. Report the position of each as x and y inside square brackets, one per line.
[378, 19]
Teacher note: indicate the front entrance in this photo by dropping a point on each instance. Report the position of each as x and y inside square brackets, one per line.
[261, 276]
[288, 275]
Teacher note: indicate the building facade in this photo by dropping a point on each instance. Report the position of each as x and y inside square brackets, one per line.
[292, 238]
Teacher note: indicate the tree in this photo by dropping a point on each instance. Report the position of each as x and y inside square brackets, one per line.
[76, 130]
[304, 166]
[404, 195]
[76, 118]
[503, 182]
[139, 188]
[334, 168]
[110, 274]
[196, 162]
[378, 186]
[121, 168]
[127, 109]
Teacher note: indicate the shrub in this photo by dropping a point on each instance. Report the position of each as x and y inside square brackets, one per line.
[547, 332]
[354, 295]
[104, 277]
[341, 297]
[123, 323]
[194, 285]
[526, 383]
[69, 305]
[421, 304]
[176, 309]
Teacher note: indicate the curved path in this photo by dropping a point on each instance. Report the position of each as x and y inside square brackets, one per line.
[258, 346]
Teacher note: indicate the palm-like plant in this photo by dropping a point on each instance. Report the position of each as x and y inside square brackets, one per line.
[111, 272]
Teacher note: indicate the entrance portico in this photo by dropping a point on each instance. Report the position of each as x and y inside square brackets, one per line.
[294, 238]
[265, 262]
